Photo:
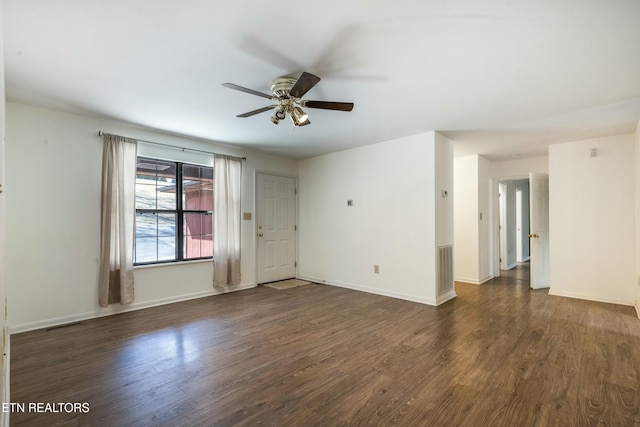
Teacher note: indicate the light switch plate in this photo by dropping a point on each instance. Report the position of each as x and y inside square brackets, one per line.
[246, 216]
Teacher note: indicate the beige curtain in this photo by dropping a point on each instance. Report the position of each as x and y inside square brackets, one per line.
[226, 220]
[117, 220]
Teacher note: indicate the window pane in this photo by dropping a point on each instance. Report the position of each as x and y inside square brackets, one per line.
[155, 184]
[166, 195]
[146, 225]
[145, 194]
[197, 187]
[166, 237]
[146, 244]
[155, 237]
[146, 249]
[197, 235]
[166, 225]
[166, 248]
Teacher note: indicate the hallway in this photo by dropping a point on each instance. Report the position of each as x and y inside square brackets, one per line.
[520, 273]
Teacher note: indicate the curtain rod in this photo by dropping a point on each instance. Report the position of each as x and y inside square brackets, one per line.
[100, 133]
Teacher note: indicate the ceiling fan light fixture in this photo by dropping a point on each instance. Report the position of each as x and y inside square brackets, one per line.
[280, 113]
[275, 119]
[298, 116]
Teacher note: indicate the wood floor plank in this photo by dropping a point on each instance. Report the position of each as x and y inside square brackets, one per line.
[500, 354]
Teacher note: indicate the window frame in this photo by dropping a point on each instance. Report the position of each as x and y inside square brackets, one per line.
[179, 213]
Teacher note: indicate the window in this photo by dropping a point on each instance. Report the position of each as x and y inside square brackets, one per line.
[174, 204]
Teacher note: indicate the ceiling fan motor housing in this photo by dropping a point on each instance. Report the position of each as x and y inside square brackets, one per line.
[281, 86]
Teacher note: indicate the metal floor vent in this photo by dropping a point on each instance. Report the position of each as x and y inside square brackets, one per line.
[445, 269]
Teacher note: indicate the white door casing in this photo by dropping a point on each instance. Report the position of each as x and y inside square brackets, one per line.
[502, 227]
[275, 227]
[519, 236]
[539, 234]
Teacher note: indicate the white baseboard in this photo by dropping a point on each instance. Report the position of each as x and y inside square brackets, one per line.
[466, 280]
[117, 309]
[537, 288]
[486, 279]
[588, 297]
[446, 297]
[406, 297]
[637, 308]
[473, 281]
[510, 266]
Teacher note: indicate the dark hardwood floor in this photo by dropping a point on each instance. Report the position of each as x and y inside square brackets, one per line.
[498, 355]
[519, 273]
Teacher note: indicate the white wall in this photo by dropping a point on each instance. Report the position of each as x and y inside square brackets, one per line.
[484, 224]
[520, 168]
[443, 170]
[472, 224]
[391, 224]
[53, 214]
[466, 215]
[592, 220]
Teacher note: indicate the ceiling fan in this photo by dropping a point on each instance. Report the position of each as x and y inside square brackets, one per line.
[287, 92]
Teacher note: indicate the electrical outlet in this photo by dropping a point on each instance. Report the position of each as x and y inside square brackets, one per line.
[376, 269]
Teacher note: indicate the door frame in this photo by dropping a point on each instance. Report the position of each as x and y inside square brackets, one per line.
[495, 236]
[502, 224]
[254, 228]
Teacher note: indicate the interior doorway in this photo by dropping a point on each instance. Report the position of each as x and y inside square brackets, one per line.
[514, 225]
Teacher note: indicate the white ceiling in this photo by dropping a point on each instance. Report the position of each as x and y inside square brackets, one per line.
[500, 77]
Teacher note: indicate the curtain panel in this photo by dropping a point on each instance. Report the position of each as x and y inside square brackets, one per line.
[117, 221]
[226, 220]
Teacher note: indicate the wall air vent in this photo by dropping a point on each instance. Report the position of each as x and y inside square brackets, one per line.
[445, 270]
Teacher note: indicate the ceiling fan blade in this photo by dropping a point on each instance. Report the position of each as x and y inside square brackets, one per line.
[247, 90]
[304, 84]
[258, 111]
[338, 106]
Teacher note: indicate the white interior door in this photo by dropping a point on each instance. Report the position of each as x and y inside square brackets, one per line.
[276, 227]
[539, 234]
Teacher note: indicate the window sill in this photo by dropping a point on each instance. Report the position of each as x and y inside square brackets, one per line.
[168, 264]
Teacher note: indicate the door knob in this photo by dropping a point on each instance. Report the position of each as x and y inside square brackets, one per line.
[260, 234]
